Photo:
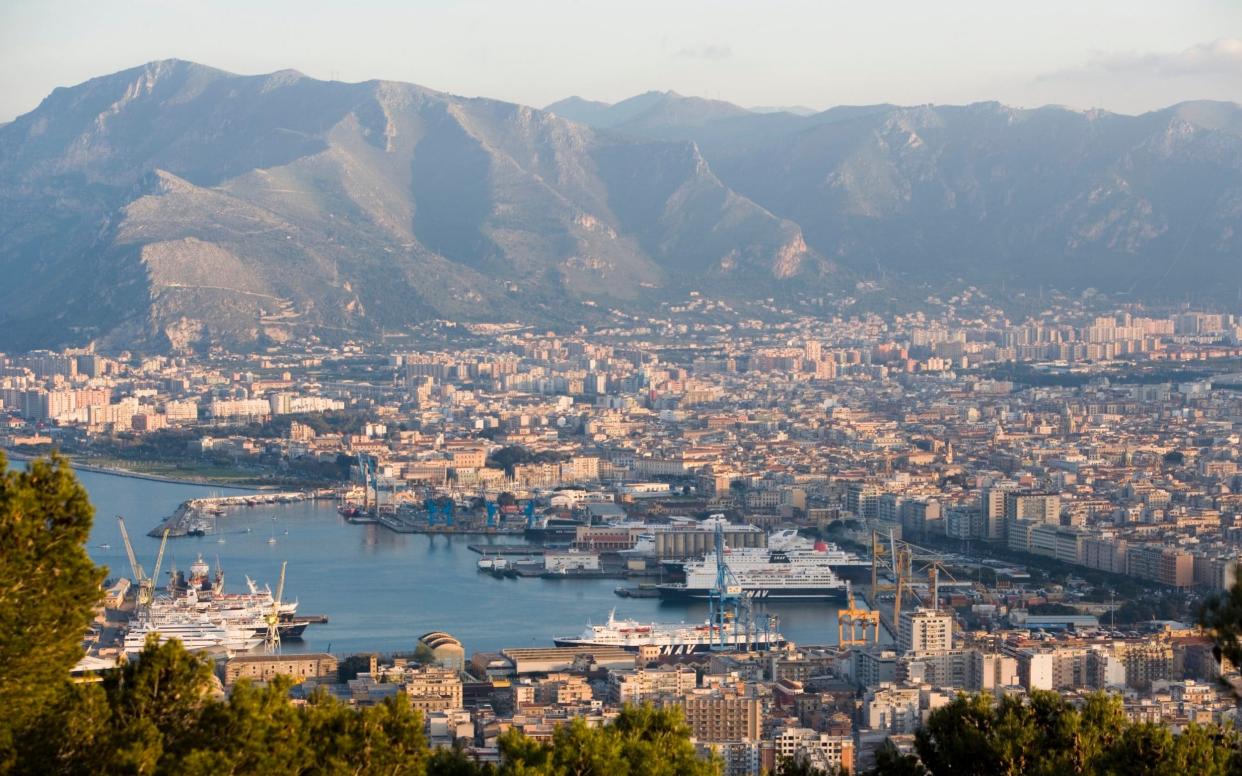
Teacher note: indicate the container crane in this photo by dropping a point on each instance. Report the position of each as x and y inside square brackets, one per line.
[271, 643]
[727, 604]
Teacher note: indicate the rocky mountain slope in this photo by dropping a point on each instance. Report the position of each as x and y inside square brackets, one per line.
[1148, 205]
[174, 205]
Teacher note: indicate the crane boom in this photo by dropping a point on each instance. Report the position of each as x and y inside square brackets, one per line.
[139, 575]
[280, 588]
[159, 559]
[271, 643]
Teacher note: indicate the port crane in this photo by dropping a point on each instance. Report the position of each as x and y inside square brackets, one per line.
[146, 585]
[271, 643]
[902, 561]
[853, 624]
[729, 605]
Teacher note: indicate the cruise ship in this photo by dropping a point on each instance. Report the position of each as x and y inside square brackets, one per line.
[671, 638]
[195, 633]
[199, 597]
[792, 570]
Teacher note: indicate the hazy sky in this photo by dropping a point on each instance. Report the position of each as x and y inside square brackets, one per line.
[1127, 55]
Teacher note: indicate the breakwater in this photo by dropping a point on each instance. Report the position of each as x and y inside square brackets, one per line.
[197, 516]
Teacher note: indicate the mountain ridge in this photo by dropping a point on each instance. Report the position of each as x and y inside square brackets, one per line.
[178, 206]
[355, 208]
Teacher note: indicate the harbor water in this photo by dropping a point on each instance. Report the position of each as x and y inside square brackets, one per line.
[379, 589]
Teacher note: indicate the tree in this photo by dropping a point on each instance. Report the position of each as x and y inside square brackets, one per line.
[1222, 616]
[140, 716]
[49, 592]
[1153, 750]
[1046, 735]
[1040, 735]
[640, 741]
[891, 761]
[423, 654]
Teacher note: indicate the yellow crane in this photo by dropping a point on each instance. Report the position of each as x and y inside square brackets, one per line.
[271, 644]
[854, 618]
[902, 561]
[139, 574]
[146, 585]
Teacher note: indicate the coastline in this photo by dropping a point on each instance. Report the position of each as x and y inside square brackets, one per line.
[115, 471]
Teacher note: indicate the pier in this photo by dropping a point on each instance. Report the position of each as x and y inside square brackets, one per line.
[199, 514]
[506, 549]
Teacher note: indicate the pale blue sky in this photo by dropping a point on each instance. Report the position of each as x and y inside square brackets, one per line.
[1126, 56]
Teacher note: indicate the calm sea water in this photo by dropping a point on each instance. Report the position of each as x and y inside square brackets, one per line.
[382, 590]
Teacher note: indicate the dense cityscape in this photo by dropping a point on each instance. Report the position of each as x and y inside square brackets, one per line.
[591, 389]
[981, 504]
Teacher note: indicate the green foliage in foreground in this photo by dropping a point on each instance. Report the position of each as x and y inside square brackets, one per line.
[48, 589]
[1044, 735]
[158, 715]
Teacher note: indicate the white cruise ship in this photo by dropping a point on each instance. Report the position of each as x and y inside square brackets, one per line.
[794, 569]
[671, 638]
[196, 633]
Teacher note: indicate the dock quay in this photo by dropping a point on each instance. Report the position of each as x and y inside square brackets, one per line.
[403, 525]
[506, 549]
[199, 514]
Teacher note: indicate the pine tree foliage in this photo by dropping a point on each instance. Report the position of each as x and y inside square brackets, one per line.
[49, 588]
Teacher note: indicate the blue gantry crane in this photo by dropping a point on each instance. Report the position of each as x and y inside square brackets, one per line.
[729, 607]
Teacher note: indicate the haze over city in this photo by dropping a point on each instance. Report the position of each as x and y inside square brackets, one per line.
[677, 389]
[1128, 57]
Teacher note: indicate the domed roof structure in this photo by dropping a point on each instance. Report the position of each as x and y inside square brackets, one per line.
[448, 650]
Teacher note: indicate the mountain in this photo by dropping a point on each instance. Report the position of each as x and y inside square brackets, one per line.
[176, 206]
[797, 110]
[1149, 205]
[648, 112]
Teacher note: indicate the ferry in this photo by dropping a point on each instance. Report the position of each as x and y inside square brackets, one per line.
[671, 638]
[794, 570]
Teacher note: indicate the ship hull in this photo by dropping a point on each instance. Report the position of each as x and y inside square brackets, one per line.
[676, 593]
[673, 649]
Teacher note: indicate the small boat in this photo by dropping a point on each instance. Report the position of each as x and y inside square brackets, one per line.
[271, 540]
[105, 546]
